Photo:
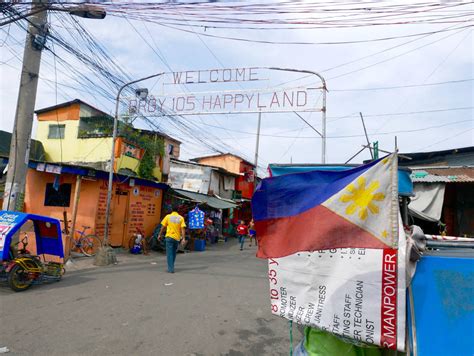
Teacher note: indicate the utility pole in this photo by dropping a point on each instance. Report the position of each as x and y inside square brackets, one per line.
[21, 136]
[106, 254]
[36, 36]
[256, 151]
[366, 136]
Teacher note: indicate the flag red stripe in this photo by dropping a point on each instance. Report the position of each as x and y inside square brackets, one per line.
[316, 229]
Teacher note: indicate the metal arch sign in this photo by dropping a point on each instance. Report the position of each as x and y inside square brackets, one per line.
[252, 98]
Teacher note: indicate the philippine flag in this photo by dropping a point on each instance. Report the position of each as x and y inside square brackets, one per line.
[321, 210]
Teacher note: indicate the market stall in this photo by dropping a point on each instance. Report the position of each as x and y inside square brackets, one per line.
[191, 203]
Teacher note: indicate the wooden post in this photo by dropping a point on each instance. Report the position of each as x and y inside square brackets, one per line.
[77, 194]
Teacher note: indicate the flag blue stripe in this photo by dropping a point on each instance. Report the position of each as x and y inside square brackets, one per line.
[293, 194]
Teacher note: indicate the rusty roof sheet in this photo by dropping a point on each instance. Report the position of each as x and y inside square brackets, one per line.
[443, 175]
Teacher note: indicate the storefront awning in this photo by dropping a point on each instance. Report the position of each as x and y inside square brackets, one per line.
[213, 202]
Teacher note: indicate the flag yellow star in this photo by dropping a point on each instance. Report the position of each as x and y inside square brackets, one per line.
[362, 198]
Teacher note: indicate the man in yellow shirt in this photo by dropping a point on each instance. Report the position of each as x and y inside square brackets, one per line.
[175, 233]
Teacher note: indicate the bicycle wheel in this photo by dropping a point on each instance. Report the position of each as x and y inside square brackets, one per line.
[89, 245]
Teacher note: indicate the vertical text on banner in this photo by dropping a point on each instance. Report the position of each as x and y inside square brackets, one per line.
[388, 337]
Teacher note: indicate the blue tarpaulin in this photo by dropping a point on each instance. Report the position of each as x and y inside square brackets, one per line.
[47, 231]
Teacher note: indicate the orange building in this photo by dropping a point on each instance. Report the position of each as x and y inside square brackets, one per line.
[245, 183]
[136, 203]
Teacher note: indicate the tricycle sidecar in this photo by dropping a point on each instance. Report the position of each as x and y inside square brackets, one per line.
[22, 269]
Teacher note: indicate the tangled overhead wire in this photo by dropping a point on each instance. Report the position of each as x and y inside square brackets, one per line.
[86, 62]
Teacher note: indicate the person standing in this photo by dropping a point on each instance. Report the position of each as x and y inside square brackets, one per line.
[242, 231]
[175, 233]
[252, 232]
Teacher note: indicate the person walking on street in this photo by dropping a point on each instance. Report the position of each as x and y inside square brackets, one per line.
[242, 231]
[175, 233]
[252, 233]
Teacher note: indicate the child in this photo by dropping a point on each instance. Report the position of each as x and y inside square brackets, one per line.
[242, 231]
[252, 232]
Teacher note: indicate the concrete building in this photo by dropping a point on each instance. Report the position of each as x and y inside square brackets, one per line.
[136, 203]
[201, 178]
[75, 132]
[245, 182]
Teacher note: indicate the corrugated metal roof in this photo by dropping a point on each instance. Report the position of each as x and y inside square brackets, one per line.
[443, 175]
[206, 199]
[458, 171]
[453, 157]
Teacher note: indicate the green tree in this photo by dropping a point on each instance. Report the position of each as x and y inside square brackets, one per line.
[153, 145]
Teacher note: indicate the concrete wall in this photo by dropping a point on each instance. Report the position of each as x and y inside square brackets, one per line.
[71, 148]
[35, 197]
[95, 150]
[134, 206]
[228, 162]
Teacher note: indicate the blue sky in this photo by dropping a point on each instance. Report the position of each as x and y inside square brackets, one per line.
[423, 117]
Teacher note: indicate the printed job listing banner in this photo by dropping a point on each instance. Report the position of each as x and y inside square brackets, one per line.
[356, 293]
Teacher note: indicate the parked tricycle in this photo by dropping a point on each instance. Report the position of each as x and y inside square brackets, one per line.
[20, 268]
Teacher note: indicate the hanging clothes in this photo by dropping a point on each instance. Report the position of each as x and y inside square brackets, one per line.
[196, 219]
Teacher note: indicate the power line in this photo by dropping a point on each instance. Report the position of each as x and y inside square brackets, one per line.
[305, 43]
[405, 113]
[97, 64]
[350, 136]
[431, 74]
[457, 134]
[453, 27]
[394, 57]
[217, 139]
[328, 15]
[406, 86]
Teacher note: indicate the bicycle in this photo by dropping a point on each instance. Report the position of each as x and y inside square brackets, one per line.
[88, 244]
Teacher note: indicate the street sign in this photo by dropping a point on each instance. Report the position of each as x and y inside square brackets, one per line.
[243, 91]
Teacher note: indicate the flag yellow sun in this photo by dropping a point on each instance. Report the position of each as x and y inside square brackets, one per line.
[362, 198]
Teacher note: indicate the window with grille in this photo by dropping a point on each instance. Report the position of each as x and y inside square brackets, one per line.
[59, 197]
[56, 131]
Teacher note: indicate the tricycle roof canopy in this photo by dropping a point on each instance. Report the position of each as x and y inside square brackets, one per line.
[47, 232]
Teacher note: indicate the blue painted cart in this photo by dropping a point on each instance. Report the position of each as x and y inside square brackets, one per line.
[22, 269]
[441, 302]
